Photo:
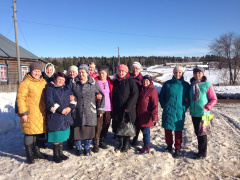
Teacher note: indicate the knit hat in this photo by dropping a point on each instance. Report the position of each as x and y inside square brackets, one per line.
[137, 64]
[199, 69]
[179, 68]
[122, 67]
[35, 65]
[84, 67]
[147, 77]
[73, 68]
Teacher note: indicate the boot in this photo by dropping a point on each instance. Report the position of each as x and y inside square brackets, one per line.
[168, 149]
[95, 145]
[79, 151]
[37, 153]
[63, 157]
[56, 155]
[176, 155]
[102, 144]
[120, 140]
[29, 153]
[87, 144]
[70, 143]
[126, 145]
[145, 150]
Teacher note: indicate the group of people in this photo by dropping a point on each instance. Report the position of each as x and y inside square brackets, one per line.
[78, 107]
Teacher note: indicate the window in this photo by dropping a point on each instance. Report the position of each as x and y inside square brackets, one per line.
[3, 73]
[24, 70]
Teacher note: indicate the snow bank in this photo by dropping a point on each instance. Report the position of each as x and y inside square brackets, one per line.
[8, 119]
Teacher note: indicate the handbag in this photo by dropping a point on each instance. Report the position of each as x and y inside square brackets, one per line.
[126, 127]
[205, 127]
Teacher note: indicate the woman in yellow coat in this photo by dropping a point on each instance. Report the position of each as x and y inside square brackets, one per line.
[31, 109]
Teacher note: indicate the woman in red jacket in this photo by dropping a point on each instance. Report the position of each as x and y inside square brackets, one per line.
[147, 111]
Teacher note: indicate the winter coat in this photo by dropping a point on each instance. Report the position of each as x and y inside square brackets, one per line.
[85, 113]
[30, 102]
[147, 106]
[125, 96]
[138, 81]
[207, 100]
[57, 98]
[94, 74]
[110, 83]
[172, 99]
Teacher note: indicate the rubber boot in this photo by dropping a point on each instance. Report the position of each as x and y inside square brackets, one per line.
[29, 154]
[56, 155]
[120, 140]
[63, 157]
[126, 145]
[37, 153]
[96, 145]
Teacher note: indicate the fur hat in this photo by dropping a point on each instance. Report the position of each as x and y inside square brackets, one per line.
[73, 68]
[147, 77]
[137, 64]
[35, 65]
[122, 67]
[84, 67]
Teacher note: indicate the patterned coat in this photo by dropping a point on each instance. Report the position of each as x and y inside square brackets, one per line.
[30, 102]
[173, 101]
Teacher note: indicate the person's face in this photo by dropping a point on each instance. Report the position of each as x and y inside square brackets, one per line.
[146, 82]
[72, 74]
[135, 71]
[59, 81]
[198, 75]
[82, 74]
[92, 68]
[122, 73]
[49, 71]
[103, 75]
[36, 73]
[177, 74]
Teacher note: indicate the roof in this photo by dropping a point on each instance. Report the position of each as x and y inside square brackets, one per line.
[8, 49]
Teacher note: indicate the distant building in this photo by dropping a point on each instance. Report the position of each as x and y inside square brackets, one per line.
[185, 64]
[8, 61]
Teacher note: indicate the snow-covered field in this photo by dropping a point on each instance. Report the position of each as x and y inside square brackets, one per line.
[222, 162]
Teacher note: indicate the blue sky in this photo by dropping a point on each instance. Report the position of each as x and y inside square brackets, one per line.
[67, 28]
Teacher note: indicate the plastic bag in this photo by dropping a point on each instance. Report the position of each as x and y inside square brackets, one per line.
[126, 127]
[205, 127]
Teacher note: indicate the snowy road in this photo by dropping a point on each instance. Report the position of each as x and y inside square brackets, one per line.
[223, 161]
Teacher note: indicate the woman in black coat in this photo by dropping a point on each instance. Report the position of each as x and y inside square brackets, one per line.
[125, 96]
[58, 106]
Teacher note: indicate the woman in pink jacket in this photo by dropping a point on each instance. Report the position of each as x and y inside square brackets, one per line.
[147, 111]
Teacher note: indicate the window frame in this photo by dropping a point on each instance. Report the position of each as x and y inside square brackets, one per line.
[6, 65]
[22, 70]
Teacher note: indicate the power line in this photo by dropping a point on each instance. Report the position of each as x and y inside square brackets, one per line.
[23, 36]
[9, 29]
[112, 32]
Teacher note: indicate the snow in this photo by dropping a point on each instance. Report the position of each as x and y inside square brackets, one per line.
[222, 162]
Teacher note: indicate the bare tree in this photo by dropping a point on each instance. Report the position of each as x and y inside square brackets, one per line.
[227, 46]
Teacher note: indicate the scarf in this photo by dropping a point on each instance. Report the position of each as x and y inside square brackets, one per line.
[196, 90]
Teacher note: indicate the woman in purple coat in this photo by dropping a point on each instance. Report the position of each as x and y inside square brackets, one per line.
[147, 106]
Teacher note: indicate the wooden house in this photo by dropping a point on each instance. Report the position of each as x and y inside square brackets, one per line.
[8, 62]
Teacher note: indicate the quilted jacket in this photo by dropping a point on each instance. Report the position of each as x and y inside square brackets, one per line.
[30, 102]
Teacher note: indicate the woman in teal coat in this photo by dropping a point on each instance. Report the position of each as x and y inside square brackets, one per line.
[175, 102]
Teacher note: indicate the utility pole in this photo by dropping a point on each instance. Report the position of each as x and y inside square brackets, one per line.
[118, 57]
[16, 39]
